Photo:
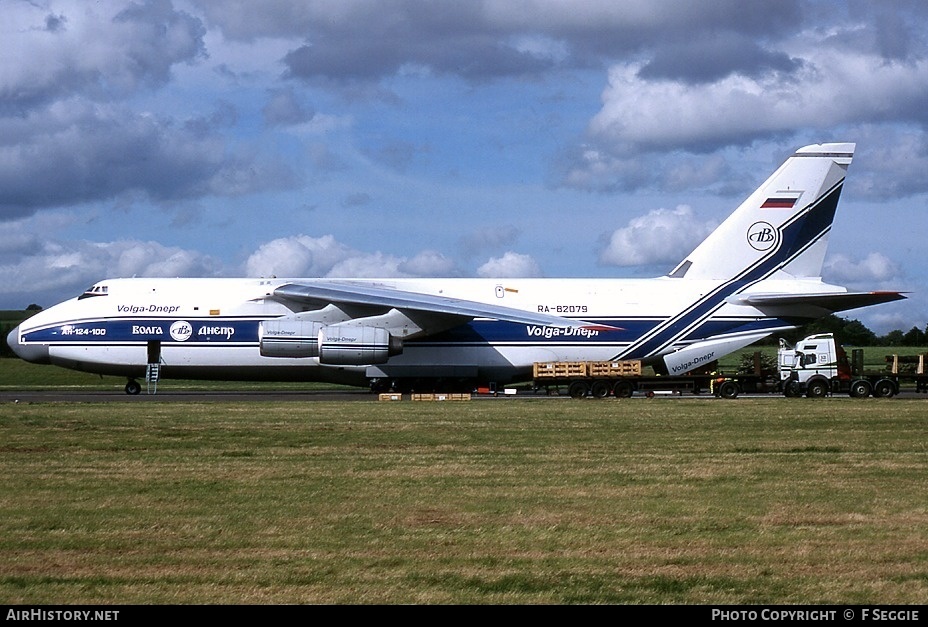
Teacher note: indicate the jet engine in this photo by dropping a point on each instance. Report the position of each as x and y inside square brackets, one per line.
[289, 337]
[355, 346]
[336, 345]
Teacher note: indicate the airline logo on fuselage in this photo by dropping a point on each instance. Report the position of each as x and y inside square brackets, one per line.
[181, 331]
[210, 331]
[553, 332]
[137, 309]
[121, 330]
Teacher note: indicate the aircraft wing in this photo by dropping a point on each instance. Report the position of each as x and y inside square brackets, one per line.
[440, 307]
[837, 301]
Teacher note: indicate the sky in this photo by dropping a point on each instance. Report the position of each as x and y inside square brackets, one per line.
[493, 138]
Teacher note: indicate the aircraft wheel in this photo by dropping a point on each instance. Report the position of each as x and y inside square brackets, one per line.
[379, 385]
[133, 387]
[860, 388]
[578, 389]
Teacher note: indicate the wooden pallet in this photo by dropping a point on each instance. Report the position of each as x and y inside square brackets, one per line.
[612, 369]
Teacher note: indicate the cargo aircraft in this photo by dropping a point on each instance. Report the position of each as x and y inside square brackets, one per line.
[757, 274]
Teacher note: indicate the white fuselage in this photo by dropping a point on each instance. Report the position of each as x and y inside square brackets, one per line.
[208, 328]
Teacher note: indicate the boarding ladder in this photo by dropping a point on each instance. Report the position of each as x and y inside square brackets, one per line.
[152, 374]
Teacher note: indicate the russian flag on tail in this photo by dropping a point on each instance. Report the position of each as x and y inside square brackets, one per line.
[783, 200]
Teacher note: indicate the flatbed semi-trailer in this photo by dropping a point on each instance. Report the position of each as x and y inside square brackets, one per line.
[622, 379]
[818, 366]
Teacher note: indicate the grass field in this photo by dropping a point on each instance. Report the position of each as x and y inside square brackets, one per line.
[517, 501]
[16, 374]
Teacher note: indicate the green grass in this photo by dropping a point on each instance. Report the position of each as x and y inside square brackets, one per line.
[516, 501]
[18, 375]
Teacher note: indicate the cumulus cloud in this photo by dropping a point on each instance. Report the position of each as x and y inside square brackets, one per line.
[831, 87]
[429, 263]
[510, 265]
[305, 256]
[652, 110]
[96, 50]
[300, 255]
[54, 266]
[875, 267]
[661, 236]
[356, 40]
[369, 40]
[75, 152]
[713, 56]
[70, 132]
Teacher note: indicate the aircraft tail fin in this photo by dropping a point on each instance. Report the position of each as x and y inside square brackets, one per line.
[782, 226]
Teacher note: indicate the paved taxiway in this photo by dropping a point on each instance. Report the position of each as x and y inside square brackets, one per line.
[305, 396]
[187, 396]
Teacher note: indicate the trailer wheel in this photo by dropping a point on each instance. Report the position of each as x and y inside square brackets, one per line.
[817, 389]
[578, 389]
[884, 388]
[622, 389]
[600, 389]
[860, 388]
[728, 389]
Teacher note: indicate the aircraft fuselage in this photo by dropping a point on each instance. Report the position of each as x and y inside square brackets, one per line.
[209, 328]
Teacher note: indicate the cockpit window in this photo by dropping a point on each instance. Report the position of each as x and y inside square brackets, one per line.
[96, 290]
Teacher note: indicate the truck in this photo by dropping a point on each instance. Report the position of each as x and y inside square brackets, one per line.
[817, 366]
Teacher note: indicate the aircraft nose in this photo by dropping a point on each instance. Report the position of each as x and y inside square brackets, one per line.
[35, 353]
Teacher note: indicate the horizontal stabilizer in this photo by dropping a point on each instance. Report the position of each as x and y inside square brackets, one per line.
[828, 302]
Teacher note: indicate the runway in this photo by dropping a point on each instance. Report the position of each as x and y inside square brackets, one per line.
[183, 396]
[339, 395]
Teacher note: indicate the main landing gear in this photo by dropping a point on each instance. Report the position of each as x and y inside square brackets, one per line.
[133, 387]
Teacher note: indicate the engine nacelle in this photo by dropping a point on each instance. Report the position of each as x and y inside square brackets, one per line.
[288, 337]
[356, 346]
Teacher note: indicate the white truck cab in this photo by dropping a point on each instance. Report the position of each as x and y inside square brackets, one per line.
[818, 366]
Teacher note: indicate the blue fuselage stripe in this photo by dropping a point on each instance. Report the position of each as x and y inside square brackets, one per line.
[209, 332]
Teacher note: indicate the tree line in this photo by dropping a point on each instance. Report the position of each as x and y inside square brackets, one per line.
[855, 333]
